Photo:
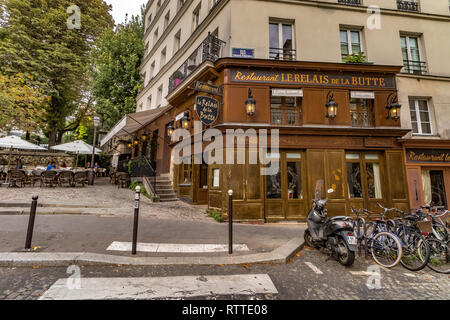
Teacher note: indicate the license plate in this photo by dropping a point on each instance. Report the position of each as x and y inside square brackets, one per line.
[351, 240]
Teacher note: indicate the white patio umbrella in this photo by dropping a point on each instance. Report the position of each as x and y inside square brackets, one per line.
[13, 142]
[78, 147]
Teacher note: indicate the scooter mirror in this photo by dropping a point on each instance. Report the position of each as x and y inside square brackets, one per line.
[330, 191]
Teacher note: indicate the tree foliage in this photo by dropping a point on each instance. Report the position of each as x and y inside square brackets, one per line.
[115, 70]
[22, 106]
[35, 40]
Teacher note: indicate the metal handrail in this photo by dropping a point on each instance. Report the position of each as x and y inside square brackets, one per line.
[350, 2]
[407, 5]
[416, 67]
[282, 54]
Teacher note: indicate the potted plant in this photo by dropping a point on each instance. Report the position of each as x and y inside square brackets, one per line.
[177, 78]
[355, 58]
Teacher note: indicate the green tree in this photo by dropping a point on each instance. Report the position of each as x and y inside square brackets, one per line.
[22, 106]
[115, 70]
[35, 39]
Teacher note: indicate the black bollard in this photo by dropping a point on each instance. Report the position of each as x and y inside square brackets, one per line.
[31, 223]
[230, 221]
[136, 219]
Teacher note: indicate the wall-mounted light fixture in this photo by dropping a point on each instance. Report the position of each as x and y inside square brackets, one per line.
[136, 141]
[186, 120]
[170, 130]
[144, 137]
[250, 104]
[331, 106]
[129, 145]
[393, 107]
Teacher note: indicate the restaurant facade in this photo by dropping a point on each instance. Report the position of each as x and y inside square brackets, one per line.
[333, 122]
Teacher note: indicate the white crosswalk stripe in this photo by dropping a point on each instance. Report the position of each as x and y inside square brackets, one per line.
[161, 288]
[175, 248]
[313, 268]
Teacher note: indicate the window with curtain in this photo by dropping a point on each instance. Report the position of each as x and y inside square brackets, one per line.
[281, 41]
[350, 42]
[411, 54]
[420, 117]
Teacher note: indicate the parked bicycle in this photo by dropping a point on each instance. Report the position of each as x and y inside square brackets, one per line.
[416, 250]
[374, 237]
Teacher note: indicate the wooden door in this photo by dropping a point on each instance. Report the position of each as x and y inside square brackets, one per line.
[284, 198]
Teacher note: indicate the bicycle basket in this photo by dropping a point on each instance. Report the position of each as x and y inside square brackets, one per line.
[425, 226]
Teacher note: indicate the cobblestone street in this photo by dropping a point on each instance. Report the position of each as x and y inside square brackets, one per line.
[295, 281]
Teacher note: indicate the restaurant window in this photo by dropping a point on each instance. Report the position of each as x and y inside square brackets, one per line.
[285, 110]
[281, 41]
[411, 55]
[203, 181]
[294, 176]
[186, 171]
[434, 188]
[350, 42]
[420, 117]
[216, 178]
[361, 112]
[273, 182]
[363, 176]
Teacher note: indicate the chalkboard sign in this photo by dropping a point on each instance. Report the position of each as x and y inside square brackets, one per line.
[207, 109]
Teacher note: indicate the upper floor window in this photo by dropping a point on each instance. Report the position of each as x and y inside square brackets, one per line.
[166, 20]
[361, 112]
[152, 70]
[411, 55]
[350, 42]
[281, 41]
[420, 116]
[196, 17]
[149, 102]
[158, 5]
[163, 57]
[408, 5]
[155, 36]
[159, 96]
[285, 110]
[177, 42]
[180, 4]
[213, 3]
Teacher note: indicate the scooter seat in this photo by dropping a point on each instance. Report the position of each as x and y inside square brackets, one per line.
[338, 218]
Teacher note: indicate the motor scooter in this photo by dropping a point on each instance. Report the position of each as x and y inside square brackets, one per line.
[334, 235]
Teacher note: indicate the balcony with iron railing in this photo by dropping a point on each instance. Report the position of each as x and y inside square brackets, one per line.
[282, 54]
[211, 49]
[414, 67]
[350, 2]
[408, 5]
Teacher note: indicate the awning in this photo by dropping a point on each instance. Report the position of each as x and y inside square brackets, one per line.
[133, 122]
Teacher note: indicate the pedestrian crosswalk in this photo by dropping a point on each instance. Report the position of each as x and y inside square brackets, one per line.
[175, 248]
[160, 288]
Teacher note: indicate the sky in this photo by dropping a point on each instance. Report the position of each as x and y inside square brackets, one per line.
[121, 7]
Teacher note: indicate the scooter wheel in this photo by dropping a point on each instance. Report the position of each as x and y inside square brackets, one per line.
[348, 257]
[308, 238]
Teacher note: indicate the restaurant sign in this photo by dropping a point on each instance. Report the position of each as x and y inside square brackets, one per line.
[207, 109]
[308, 78]
[206, 88]
[428, 155]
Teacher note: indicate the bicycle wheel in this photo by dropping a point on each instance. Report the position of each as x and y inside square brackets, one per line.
[416, 252]
[439, 256]
[386, 249]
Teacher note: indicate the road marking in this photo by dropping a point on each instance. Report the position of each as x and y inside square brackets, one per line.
[409, 275]
[175, 248]
[314, 268]
[362, 273]
[160, 288]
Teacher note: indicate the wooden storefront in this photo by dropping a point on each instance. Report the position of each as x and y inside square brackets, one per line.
[356, 153]
[428, 171]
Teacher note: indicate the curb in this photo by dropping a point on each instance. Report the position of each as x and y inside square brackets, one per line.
[280, 255]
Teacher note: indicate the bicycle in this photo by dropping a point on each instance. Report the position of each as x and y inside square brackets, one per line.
[384, 246]
[416, 250]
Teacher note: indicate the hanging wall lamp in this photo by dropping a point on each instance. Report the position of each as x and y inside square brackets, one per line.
[393, 107]
[250, 104]
[331, 106]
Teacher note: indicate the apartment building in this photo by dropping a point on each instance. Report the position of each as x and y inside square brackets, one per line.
[364, 151]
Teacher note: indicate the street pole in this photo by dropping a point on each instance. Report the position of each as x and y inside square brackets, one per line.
[137, 199]
[31, 223]
[230, 221]
[91, 172]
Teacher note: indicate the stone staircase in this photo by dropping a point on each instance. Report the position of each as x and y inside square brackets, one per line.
[163, 188]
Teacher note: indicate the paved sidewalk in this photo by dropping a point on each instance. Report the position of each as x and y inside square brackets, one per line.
[93, 235]
[100, 199]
